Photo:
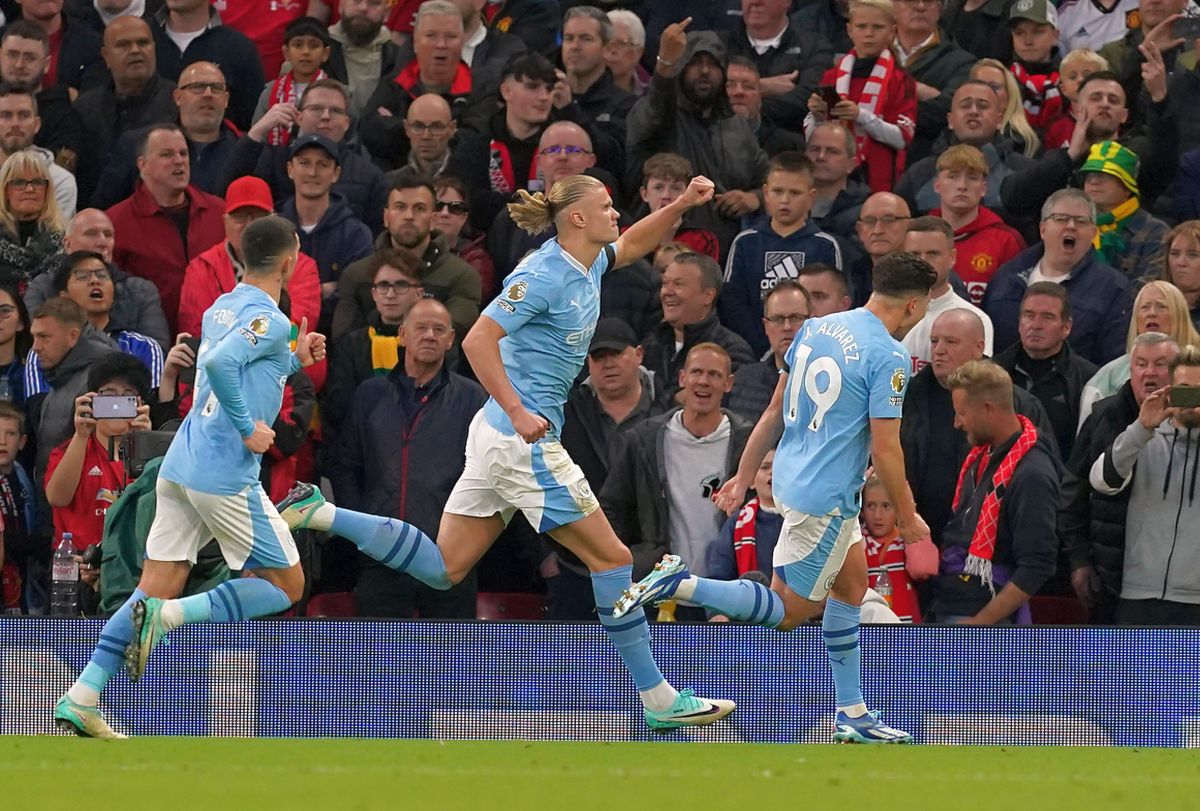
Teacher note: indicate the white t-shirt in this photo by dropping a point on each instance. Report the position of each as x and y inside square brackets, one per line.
[917, 341]
[184, 39]
[469, 46]
[761, 46]
[1036, 276]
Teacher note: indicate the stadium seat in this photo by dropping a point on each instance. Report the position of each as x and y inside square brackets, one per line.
[500, 605]
[333, 604]
[1057, 611]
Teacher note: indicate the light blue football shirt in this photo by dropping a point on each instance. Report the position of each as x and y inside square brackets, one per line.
[843, 370]
[244, 361]
[548, 309]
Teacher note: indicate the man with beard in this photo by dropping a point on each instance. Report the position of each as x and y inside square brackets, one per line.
[74, 47]
[1101, 112]
[362, 50]
[24, 57]
[19, 124]
[408, 223]
[202, 98]
[135, 97]
[686, 111]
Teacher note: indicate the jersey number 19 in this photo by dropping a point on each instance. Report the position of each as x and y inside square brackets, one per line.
[804, 378]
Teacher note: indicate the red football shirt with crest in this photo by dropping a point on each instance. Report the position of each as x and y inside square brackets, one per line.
[100, 482]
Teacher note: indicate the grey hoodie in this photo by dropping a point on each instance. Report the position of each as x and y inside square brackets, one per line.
[1162, 544]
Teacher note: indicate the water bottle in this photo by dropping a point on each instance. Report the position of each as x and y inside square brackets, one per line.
[6, 392]
[883, 585]
[666, 610]
[64, 589]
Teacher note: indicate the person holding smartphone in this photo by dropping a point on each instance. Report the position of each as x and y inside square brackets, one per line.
[85, 474]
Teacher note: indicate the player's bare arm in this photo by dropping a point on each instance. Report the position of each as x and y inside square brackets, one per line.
[763, 438]
[888, 458]
[646, 234]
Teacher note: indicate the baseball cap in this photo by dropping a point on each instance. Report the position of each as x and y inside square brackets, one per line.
[1039, 11]
[306, 27]
[1110, 158]
[614, 334]
[320, 142]
[248, 192]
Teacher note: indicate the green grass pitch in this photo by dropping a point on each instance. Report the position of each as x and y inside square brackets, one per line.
[53, 772]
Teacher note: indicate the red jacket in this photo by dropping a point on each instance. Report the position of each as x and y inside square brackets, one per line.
[148, 243]
[882, 164]
[982, 246]
[211, 274]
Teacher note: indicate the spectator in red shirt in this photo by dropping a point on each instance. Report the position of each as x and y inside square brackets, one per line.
[86, 473]
[982, 241]
[166, 221]
[264, 22]
[886, 552]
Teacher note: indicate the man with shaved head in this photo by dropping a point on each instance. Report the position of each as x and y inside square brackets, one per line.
[136, 304]
[933, 449]
[430, 127]
[564, 150]
[882, 224]
[135, 97]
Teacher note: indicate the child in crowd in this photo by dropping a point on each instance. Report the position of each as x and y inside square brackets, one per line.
[776, 249]
[878, 98]
[886, 551]
[306, 49]
[665, 253]
[18, 516]
[1076, 66]
[664, 178]
[1034, 25]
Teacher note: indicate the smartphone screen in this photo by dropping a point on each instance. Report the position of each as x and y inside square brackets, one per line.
[114, 407]
[188, 375]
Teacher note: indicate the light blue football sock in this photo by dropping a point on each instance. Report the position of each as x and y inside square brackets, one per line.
[109, 655]
[630, 634]
[234, 601]
[840, 629]
[395, 544]
[742, 600]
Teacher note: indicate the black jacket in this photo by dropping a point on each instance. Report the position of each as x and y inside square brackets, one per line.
[800, 49]
[105, 115]
[822, 18]
[662, 359]
[842, 218]
[361, 183]
[1091, 524]
[1074, 371]
[634, 496]
[229, 49]
[390, 59]
[934, 494]
[944, 66]
[984, 32]
[603, 108]
[80, 54]
[400, 456]
[534, 22]
[349, 366]
[1026, 537]
[62, 130]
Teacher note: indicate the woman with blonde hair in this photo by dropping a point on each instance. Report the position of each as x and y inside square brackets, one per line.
[31, 228]
[1014, 125]
[1182, 264]
[1159, 307]
[526, 349]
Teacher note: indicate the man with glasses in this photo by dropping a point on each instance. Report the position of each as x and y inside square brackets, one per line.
[218, 270]
[19, 124]
[188, 31]
[24, 59]
[88, 280]
[882, 224]
[785, 309]
[202, 98]
[136, 97]
[323, 110]
[430, 127]
[408, 219]
[373, 350]
[624, 58]
[935, 62]
[437, 67]
[406, 434]
[1101, 297]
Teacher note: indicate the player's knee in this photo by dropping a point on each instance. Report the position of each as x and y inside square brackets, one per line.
[455, 574]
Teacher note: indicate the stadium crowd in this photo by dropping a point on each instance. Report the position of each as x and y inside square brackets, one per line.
[1044, 160]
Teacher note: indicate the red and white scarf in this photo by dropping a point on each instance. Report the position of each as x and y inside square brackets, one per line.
[983, 540]
[745, 533]
[1040, 94]
[283, 90]
[873, 91]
